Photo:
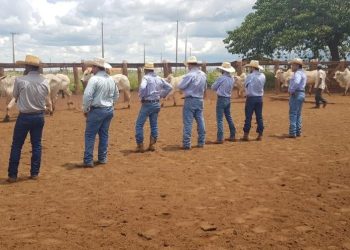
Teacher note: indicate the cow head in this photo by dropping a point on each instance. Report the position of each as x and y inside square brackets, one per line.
[86, 76]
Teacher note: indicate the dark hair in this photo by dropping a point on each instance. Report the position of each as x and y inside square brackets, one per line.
[29, 68]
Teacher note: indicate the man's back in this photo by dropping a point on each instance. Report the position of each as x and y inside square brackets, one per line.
[30, 92]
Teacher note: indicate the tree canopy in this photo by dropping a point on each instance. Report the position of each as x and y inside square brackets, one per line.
[321, 26]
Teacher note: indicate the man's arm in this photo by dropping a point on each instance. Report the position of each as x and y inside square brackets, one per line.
[167, 88]
[185, 82]
[217, 84]
[88, 95]
[295, 83]
[143, 88]
[48, 98]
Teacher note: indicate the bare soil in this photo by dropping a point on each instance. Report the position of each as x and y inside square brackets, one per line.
[275, 194]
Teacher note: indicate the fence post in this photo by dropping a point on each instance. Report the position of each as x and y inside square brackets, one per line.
[76, 80]
[125, 68]
[204, 67]
[277, 83]
[139, 76]
[165, 69]
[2, 72]
[170, 70]
[83, 66]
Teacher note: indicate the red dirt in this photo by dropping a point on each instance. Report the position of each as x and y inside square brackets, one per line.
[275, 194]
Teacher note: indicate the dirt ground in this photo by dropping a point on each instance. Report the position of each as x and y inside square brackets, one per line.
[275, 194]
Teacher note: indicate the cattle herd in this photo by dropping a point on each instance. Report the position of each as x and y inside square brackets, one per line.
[61, 82]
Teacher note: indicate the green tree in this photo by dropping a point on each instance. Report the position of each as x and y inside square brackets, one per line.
[293, 25]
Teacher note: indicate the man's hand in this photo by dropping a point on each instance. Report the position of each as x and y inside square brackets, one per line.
[85, 114]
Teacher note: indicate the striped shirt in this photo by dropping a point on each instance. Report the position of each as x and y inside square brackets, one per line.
[153, 87]
[254, 84]
[194, 83]
[101, 91]
[224, 85]
[31, 91]
[298, 81]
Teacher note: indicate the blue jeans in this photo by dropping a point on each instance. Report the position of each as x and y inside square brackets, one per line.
[193, 108]
[223, 106]
[34, 124]
[254, 104]
[97, 122]
[151, 111]
[296, 101]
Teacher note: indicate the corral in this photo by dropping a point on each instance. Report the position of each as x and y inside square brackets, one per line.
[276, 194]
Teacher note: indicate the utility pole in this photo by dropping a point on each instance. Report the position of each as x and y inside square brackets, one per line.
[186, 49]
[177, 42]
[144, 53]
[13, 49]
[103, 45]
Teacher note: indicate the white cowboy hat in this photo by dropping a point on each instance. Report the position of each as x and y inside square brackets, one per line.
[191, 60]
[254, 64]
[30, 60]
[226, 66]
[149, 66]
[297, 61]
[99, 62]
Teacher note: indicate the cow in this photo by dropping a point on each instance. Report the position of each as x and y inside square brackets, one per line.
[239, 84]
[58, 82]
[6, 89]
[174, 81]
[120, 80]
[343, 78]
[283, 78]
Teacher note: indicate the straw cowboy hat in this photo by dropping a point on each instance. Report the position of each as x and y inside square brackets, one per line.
[297, 61]
[149, 66]
[254, 64]
[99, 62]
[191, 60]
[226, 66]
[30, 60]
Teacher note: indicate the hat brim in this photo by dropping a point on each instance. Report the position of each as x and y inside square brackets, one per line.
[254, 66]
[149, 68]
[229, 70]
[21, 63]
[193, 63]
[296, 62]
[93, 63]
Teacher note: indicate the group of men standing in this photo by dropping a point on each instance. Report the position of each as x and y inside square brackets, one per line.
[31, 92]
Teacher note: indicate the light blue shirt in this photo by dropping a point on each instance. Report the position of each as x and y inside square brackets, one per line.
[194, 83]
[101, 91]
[224, 85]
[153, 87]
[297, 82]
[254, 84]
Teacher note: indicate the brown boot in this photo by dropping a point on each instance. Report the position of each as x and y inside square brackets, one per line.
[152, 142]
[245, 137]
[259, 138]
[140, 148]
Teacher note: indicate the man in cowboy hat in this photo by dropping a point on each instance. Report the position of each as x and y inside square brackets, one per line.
[31, 92]
[100, 95]
[254, 88]
[320, 85]
[152, 88]
[223, 87]
[297, 96]
[193, 86]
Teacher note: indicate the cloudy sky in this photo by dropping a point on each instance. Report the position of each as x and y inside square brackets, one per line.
[70, 30]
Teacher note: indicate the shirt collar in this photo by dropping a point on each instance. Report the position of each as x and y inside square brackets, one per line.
[101, 73]
[33, 73]
[196, 68]
[151, 74]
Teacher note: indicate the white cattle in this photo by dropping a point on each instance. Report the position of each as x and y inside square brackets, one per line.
[239, 84]
[283, 78]
[6, 89]
[174, 81]
[58, 82]
[343, 78]
[120, 80]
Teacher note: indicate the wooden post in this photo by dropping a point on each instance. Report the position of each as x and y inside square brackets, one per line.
[204, 67]
[165, 69]
[239, 67]
[2, 72]
[277, 83]
[125, 68]
[139, 76]
[83, 66]
[76, 80]
[170, 70]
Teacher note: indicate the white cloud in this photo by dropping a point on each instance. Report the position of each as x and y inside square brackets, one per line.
[70, 30]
